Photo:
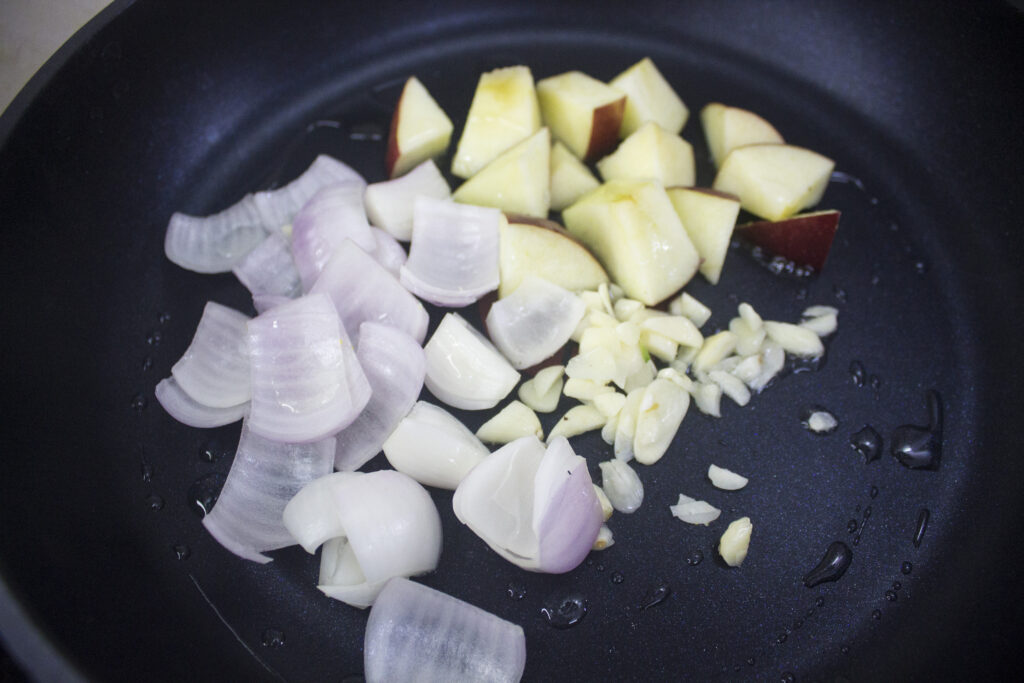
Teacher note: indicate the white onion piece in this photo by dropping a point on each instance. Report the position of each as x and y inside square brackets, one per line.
[390, 523]
[264, 302]
[389, 204]
[264, 476]
[416, 633]
[464, 369]
[278, 207]
[215, 243]
[363, 291]
[724, 479]
[269, 269]
[394, 366]
[389, 253]
[453, 257]
[433, 447]
[186, 410]
[214, 369]
[331, 216]
[535, 507]
[306, 381]
[622, 485]
[533, 322]
[694, 511]
[341, 577]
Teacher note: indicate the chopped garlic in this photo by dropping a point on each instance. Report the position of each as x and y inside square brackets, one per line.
[545, 402]
[714, 350]
[818, 311]
[604, 538]
[512, 422]
[679, 329]
[724, 479]
[622, 485]
[585, 389]
[732, 386]
[606, 505]
[661, 411]
[708, 397]
[821, 421]
[750, 316]
[735, 542]
[625, 308]
[577, 420]
[822, 325]
[546, 377]
[609, 403]
[686, 305]
[659, 346]
[794, 339]
[694, 511]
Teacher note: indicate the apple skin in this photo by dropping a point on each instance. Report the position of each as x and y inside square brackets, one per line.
[432, 134]
[582, 112]
[604, 131]
[804, 239]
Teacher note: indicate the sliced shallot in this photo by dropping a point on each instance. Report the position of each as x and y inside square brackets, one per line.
[269, 269]
[416, 633]
[535, 507]
[389, 253]
[389, 524]
[306, 381]
[278, 207]
[433, 447]
[363, 291]
[394, 366]
[332, 215]
[214, 370]
[464, 369]
[533, 322]
[453, 257]
[389, 204]
[187, 410]
[264, 476]
[214, 244]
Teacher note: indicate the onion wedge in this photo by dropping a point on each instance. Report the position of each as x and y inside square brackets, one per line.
[214, 370]
[269, 269]
[331, 216]
[464, 370]
[186, 410]
[389, 204]
[533, 322]
[264, 476]
[214, 244]
[279, 207]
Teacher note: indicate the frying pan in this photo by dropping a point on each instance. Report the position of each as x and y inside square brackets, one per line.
[160, 107]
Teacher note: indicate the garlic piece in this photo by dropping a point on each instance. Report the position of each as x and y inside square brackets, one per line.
[689, 307]
[659, 415]
[735, 541]
[694, 511]
[513, 421]
[622, 485]
[606, 505]
[577, 420]
[821, 422]
[794, 339]
[724, 479]
[604, 538]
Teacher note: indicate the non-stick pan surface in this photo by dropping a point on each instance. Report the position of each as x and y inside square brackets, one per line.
[157, 107]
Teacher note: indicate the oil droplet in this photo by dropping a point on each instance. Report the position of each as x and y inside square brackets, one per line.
[788, 677]
[896, 585]
[655, 596]
[833, 565]
[810, 612]
[202, 494]
[845, 649]
[920, 447]
[272, 637]
[781, 638]
[890, 596]
[868, 443]
[856, 539]
[147, 363]
[155, 502]
[867, 512]
[874, 492]
[138, 402]
[840, 294]
[564, 612]
[820, 602]
[875, 382]
[857, 373]
[877, 614]
[852, 525]
[164, 318]
[617, 578]
[147, 472]
[921, 267]
[154, 338]
[515, 591]
[369, 132]
[695, 558]
[906, 568]
[751, 661]
[801, 294]
[182, 551]
[840, 177]
[922, 525]
[599, 567]
[797, 623]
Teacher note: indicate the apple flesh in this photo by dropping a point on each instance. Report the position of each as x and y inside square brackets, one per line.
[503, 113]
[570, 178]
[727, 128]
[632, 228]
[649, 97]
[420, 130]
[651, 153]
[518, 181]
[543, 248]
[582, 112]
[774, 181]
[804, 239]
[709, 218]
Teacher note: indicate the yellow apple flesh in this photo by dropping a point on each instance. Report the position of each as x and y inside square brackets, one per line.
[727, 128]
[542, 248]
[570, 178]
[651, 153]
[774, 181]
[709, 218]
[420, 130]
[649, 97]
[582, 112]
[518, 181]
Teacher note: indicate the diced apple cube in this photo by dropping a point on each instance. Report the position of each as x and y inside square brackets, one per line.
[774, 181]
[543, 248]
[651, 153]
[804, 239]
[517, 181]
[582, 112]
[570, 178]
[709, 218]
[649, 97]
[420, 130]
[727, 128]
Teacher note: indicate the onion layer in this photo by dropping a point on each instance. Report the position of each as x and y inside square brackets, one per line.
[278, 207]
[186, 410]
[433, 447]
[214, 244]
[214, 370]
[533, 322]
[269, 269]
[264, 476]
[389, 204]
[464, 369]
[306, 381]
[331, 216]
[416, 633]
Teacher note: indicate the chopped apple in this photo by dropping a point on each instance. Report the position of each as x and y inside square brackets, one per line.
[774, 181]
[517, 181]
[633, 230]
[709, 218]
[543, 248]
[804, 239]
[649, 97]
[727, 128]
[420, 129]
[582, 112]
[504, 112]
[651, 153]
[570, 178]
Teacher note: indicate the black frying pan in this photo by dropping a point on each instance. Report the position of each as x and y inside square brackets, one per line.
[156, 107]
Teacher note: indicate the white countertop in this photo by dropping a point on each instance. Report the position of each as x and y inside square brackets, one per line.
[31, 31]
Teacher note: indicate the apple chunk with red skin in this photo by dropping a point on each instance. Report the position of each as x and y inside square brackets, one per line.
[537, 246]
[420, 130]
[774, 181]
[727, 128]
[709, 217]
[582, 112]
[804, 239]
